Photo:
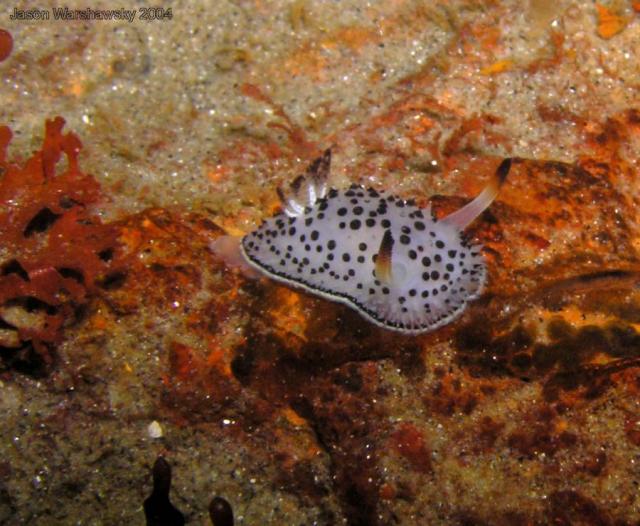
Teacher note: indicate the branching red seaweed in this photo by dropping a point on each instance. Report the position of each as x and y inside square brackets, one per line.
[53, 248]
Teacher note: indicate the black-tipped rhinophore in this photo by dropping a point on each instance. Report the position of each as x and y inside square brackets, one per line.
[383, 259]
[503, 170]
[463, 217]
[386, 245]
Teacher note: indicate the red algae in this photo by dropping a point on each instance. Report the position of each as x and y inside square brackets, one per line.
[632, 430]
[300, 145]
[410, 443]
[196, 391]
[55, 250]
[6, 44]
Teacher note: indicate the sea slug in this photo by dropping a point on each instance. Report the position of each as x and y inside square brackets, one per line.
[393, 262]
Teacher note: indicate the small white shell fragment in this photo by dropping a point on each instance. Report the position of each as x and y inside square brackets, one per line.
[154, 429]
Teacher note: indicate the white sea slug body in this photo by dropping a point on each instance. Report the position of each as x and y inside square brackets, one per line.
[390, 260]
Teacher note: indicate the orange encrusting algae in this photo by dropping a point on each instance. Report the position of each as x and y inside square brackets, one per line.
[497, 67]
[609, 23]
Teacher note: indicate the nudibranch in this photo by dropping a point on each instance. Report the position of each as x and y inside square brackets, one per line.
[393, 262]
